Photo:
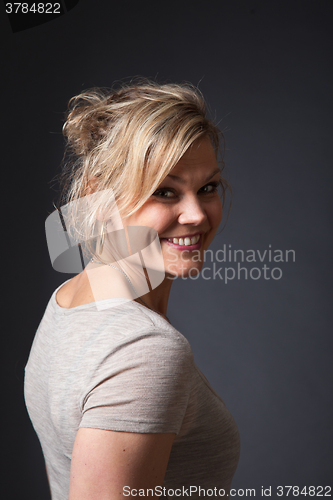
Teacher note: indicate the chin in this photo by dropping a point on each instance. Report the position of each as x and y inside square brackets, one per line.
[190, 272]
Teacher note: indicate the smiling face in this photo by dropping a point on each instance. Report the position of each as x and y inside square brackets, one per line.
[185, 210]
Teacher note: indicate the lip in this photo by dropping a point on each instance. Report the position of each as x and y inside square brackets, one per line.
[188, 248]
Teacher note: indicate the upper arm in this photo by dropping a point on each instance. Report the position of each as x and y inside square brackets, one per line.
[104, 461]
[48, 480]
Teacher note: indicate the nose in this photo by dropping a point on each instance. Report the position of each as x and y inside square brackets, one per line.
[191, 211]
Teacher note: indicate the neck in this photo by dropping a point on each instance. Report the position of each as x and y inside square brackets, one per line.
[113, 251]
[158, 298]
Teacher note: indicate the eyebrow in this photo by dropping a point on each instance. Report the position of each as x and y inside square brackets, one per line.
[182, 181]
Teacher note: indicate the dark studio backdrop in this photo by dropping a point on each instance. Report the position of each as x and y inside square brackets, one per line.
[265, 342]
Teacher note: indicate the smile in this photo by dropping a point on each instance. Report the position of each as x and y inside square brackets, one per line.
[185, 241]
[188, 243]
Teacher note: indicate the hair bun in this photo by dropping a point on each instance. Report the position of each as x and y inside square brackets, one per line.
[87, 121]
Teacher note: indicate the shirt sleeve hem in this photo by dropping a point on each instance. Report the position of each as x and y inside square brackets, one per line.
[127, 425]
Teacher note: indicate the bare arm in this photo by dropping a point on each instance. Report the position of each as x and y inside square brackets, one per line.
[103, 462]
[48, 479]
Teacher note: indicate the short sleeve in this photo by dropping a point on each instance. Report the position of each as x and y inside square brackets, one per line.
[142, 385]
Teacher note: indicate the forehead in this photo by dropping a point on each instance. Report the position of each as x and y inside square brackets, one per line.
[199, 156]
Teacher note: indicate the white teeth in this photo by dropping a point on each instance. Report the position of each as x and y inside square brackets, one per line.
[185, 241]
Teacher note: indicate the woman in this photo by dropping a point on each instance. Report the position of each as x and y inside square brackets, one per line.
[110, 385]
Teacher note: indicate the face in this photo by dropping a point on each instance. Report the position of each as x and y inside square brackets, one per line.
[185, 210]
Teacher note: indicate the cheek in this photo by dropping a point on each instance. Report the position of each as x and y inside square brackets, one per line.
[215, 214]
[154, 215]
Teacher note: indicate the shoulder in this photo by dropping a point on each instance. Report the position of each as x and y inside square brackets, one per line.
[74, 292]
[142, 369]
[146, 332]
[156, 324]
[122, 331]
[114, 327]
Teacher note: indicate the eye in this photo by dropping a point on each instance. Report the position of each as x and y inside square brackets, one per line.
[165, 193]
[210, 188]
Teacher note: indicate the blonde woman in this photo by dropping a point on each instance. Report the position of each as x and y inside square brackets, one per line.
[111, 387]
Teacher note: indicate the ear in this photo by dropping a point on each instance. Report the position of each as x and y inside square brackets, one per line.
[90, 189]
[113, 213]
[91, 185]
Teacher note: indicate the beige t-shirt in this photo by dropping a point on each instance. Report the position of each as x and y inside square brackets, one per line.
[125, 368]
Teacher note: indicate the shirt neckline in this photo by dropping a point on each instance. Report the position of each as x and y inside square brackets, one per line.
[103, 304]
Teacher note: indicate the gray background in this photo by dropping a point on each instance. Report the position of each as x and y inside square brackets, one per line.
[265, 345]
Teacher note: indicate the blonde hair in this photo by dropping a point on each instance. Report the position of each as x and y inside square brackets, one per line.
[129, 139]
